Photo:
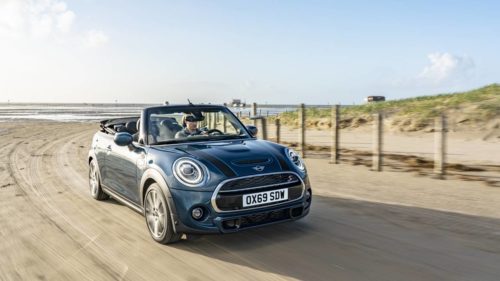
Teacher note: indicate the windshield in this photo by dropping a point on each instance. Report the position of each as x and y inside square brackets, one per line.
[193, 123]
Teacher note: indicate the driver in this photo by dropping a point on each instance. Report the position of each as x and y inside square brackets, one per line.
[190, 128]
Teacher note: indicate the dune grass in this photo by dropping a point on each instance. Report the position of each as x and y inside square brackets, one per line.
[481, 103]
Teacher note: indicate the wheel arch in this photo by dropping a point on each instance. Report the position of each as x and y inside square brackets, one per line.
[91, 157]
[151, 176]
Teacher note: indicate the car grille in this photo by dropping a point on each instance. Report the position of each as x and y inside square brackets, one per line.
[260, 182]
[229, 195]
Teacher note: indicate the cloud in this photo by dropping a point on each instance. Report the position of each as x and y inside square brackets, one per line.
[95, 38]
[46, 20]
[10, 19]
[35, 18]
[445, 67]
[64, 21]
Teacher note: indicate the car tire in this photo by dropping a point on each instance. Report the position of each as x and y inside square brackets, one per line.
[95, 182]
[158, 217]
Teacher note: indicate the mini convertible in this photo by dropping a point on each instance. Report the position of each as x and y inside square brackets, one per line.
[196, 169]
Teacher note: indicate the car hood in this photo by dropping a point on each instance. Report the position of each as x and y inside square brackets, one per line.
[236, 158]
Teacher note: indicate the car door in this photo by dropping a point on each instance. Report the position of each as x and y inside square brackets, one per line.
[121, 162]
[101, 144]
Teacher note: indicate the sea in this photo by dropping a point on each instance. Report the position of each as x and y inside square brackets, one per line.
[94, 112]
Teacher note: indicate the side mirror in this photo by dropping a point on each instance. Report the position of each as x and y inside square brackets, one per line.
[123, 139]
[252, 129]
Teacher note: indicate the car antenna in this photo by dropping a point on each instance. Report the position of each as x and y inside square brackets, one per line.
[190, 103]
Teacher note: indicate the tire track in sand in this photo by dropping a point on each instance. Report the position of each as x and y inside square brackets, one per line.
[47, 247]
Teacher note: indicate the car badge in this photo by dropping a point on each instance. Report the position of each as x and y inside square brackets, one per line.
[258, 168]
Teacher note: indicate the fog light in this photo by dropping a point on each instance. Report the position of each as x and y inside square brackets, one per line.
[197, 213]
[308, 198]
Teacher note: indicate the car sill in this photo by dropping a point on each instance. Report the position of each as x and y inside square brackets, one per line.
[122, 200]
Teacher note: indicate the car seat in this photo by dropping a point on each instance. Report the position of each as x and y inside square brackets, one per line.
[168, 128]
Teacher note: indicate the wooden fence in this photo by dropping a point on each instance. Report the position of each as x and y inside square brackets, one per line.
[377, 153]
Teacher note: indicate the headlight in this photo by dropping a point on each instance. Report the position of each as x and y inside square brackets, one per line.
[190, 172]
[295, 158]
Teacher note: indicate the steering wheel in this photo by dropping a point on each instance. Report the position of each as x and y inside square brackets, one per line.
[214, 132]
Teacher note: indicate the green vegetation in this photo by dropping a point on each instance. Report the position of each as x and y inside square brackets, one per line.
[477, 105]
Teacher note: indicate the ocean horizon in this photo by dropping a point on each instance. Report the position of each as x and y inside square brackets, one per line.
[81, 112]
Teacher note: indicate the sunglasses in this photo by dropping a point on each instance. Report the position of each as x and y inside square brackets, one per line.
[190, 119]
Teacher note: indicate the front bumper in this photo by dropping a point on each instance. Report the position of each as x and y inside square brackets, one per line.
[213, 222]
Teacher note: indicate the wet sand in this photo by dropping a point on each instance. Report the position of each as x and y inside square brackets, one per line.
[363, 225]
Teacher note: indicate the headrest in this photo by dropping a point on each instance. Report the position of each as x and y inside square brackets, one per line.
[169, 123]
[120, 128]
[131, 127]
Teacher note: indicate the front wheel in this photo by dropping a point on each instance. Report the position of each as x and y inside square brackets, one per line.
[95, 182]
[158, 217]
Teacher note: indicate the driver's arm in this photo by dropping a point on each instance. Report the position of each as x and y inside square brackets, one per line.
[180, 134]
[201, 132]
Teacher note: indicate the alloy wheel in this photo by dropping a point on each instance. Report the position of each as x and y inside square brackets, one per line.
[155, 213]
[93, 180]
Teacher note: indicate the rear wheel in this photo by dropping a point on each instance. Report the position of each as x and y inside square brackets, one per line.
[95, 182]
[158, 217]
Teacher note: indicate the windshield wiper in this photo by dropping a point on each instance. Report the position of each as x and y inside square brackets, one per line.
[201, 138]
[169, 141]
[235, 137]
[225, 137]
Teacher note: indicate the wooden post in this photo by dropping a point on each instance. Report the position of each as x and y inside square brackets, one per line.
[224, 123]
[263, 123]
[440, 147]
[377, 142]
[302, 130]
[278, 125]
[335, 155]
[254, 113]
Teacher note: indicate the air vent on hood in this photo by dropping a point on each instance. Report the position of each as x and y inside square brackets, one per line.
[255, 161]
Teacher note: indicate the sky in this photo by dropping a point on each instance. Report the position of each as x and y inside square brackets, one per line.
[275, 52]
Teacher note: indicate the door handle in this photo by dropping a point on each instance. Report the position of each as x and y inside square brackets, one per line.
[109, 147]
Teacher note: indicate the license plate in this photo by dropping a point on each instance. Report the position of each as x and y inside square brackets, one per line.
[265, 197]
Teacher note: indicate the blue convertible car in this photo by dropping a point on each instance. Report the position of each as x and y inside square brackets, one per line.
[196, 169]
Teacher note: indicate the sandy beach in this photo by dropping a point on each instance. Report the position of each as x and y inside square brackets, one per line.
[473, 147]
[363, 225]
[386, 118]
